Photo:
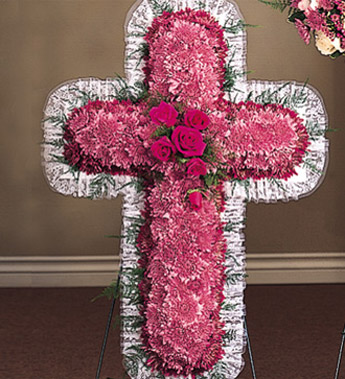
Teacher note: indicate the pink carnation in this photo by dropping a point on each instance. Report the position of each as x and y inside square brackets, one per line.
[326, 4]
[182, 331]
[303, 30]
[315, 20]
[106, 137]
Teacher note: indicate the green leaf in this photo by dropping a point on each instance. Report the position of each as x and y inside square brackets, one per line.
[229, 336]
[236, 26]
[229, 307]
[299, 15]
[160, 6]
[100, 184]
[112, 291]
[230, 226]
[56, 143]
[201, 4]
[181, 160]
[336, 54]
[59, 159]
[209, 179]
[280, 5]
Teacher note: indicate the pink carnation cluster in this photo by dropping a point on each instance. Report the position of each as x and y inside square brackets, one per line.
[186, 58]
[183, 254]
[324, 18]
[265, 142]
[105, 136]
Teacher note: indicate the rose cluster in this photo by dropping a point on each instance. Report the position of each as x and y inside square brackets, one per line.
[323, 18]
[185, 139]
[182, 139]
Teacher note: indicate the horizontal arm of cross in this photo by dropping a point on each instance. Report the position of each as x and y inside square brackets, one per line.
[308, 104]
[60, 176]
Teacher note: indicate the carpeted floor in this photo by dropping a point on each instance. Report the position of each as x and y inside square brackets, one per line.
[295, 333]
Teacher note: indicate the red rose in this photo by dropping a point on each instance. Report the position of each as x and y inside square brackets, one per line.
[188, 141]
[196, 119]
[195, 199]
[164, 114]
[196, 167]
[163, 149]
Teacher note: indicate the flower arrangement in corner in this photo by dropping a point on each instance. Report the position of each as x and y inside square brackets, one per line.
[325, 19]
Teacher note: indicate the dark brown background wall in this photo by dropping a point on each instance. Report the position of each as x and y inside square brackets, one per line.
[46, 42]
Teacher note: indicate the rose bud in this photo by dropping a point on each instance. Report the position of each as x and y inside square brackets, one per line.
[195, 199]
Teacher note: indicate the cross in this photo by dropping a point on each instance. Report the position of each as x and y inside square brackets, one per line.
[201, 143]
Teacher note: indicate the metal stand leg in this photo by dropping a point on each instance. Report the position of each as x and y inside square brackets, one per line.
[340, 354]
[106, 334]
[249, 350]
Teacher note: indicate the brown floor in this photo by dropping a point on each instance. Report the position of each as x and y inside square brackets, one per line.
[295, 333]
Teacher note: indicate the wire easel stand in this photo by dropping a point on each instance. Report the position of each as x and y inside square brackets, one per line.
[340, 354]
[107, 329]
[251, 359]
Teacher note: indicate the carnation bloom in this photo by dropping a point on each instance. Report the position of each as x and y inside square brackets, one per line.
[303, 31]
[315, 20]
[106, 137]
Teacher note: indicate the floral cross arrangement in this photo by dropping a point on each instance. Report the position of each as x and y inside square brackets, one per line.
[325, 19]
[186, 141]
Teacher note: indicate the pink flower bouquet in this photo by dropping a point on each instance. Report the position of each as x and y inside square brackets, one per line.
[325, 19]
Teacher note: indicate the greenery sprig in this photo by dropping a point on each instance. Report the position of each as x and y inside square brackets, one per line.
[280, 5]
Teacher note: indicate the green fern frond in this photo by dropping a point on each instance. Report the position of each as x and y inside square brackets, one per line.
[160, 6]
[280, 5]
